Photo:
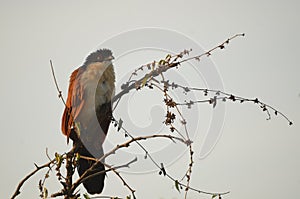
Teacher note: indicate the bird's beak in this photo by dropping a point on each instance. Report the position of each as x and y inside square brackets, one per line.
[110, 58]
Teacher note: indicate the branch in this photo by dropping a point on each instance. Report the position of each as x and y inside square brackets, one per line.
[223, 96]
[121, 178]
[187, 142]
[189, 172]
[111, 168]
[124, 145]
[56, 84]
[209, 52]
[163, 66]
[17, 192]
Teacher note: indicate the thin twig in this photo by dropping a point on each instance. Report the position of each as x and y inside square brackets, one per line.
[124, 145]
[189, 172]
[122, 179]
[221, 95]
[220, 46]
[17, 192]
[187, 142]
[164, 68]
[56, 84]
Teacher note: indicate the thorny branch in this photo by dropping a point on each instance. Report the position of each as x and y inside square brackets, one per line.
[157, 68]
[124, 145]
[122, 179]
[223, 96]
[38, 168]
[160, 167]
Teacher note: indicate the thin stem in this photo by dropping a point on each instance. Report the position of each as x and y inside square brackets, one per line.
[38, 168]
[56, 84]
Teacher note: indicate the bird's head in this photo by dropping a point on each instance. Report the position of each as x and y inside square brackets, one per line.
[99, 56]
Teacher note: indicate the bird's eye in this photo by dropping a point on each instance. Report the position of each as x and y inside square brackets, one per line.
[104, 82]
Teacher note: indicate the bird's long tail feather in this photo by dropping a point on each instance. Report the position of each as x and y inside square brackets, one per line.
[93, 184]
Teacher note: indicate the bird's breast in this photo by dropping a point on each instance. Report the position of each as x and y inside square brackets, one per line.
[97, 82]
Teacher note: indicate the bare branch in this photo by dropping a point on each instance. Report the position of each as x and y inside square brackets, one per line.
[166, 66]
[124, 145]
[122, 179]
[223, 96]
[38, 168]
[56, 84]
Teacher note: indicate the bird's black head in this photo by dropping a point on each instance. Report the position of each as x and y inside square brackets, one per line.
[99, 56]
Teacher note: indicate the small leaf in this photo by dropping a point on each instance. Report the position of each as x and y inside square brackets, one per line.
[214, 101]
[186, 89]
[144, 81]
[183, 122]
[40, 186]
[172, 129]
[45, 195]
[276, 112]
[120, 123]
[163, 169]
[291, 123]
[177, 185]
[86, 196]
[128, 197]
[59, 159]
[77, 156]
[168, 57]
[161, 62]
[232, 97]
[57, 156]
[213, 196]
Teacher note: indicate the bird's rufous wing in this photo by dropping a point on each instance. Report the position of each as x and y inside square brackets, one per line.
[74, 103]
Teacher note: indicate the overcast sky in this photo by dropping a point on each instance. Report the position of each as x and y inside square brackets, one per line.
[253, 158]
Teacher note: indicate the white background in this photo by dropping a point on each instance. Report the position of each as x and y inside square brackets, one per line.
[254, 158]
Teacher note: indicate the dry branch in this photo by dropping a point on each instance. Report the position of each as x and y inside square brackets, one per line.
[38, 168]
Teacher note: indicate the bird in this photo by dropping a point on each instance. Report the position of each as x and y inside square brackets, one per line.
[88, 114]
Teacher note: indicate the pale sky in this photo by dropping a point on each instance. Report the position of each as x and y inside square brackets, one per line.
[253, 158]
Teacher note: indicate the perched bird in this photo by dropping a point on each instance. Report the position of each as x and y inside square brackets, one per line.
[88, 113]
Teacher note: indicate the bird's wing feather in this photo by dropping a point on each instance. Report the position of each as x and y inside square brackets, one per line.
[74, 103]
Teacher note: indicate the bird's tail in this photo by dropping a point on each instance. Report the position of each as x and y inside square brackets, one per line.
[95, 181]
